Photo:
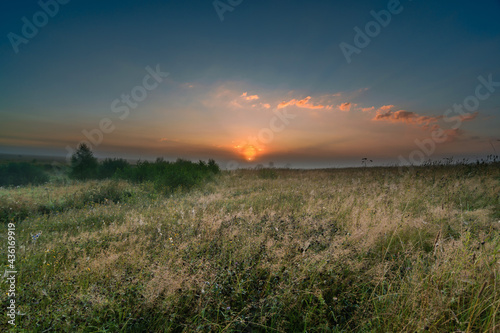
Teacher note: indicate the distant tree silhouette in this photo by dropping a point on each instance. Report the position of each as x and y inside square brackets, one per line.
[15, 174]
[83, 163]
[214, 167]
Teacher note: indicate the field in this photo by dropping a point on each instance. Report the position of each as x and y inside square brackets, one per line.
[273, 250]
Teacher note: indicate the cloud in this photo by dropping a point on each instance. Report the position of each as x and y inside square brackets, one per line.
[223, 97]
[385, 108]
[303, 103]
[403, 116]
[453, 134]
[249, 98]
[426, 123]
[285, 104]
[171, 141]
[345, 106]
[235, 104]
[469, 116]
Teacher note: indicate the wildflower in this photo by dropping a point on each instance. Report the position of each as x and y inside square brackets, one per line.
[35, 237]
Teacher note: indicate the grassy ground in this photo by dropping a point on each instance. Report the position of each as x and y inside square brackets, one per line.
[372, 249]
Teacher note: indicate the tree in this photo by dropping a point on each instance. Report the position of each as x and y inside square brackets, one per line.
[83, 163]
[109, 167]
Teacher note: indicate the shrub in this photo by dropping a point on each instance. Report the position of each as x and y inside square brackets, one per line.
[15, 174]
[99, 193]
[109, 167]
[170, 176]
[166, 176]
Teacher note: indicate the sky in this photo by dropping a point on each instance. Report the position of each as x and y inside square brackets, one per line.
[299, 84]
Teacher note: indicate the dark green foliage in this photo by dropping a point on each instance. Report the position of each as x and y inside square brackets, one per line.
[212, 166]
[169, 176]
[109, 167]
[83, 164]
[15, 174]
[103, 193]
[166, 176]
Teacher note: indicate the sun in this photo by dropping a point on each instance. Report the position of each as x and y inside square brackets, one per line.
[249, 152]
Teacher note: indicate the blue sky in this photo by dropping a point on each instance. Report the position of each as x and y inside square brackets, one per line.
[394, 92]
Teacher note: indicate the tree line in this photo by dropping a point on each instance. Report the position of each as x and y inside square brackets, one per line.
[166, 176]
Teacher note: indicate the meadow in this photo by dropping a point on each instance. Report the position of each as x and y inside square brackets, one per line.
[374, 249]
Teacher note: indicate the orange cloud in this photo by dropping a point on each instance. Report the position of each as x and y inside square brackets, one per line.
[427, 123]
[262, 105]
[383, 108]
[249, 98]
[469, 117]
[453, 134]
[386, 107]
[303, 103]
[403, 116]
[345, 106]
[285, 104]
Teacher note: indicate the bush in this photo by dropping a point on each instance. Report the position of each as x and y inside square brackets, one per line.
[166, 176]
[109, 167]
[170, 176]
[102, 192]
[15, 174]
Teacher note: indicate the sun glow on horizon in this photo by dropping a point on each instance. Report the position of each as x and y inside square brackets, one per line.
[249, 152]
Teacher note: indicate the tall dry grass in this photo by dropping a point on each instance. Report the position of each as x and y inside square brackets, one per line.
[372, 249]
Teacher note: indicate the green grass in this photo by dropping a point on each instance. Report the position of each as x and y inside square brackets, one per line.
[361, 250]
